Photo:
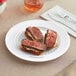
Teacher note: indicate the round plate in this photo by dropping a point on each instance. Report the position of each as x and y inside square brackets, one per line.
[16, 34]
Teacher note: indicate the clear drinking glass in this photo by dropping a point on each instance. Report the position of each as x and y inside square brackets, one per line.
[33, 5]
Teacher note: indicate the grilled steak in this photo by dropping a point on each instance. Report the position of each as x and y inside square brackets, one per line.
[50, 38]
[34, 33]
[33, 47]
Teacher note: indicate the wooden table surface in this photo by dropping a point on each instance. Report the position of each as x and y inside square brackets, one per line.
[12, 66]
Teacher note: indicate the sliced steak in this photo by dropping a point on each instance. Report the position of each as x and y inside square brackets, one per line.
[33, 47]
[34, 33]
[50, 38]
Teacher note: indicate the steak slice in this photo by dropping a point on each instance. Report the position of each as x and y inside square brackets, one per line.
[50, 38]
[33, 47]
[34, 33]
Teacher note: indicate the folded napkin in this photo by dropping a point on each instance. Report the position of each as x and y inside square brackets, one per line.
[63, 17]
